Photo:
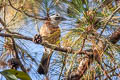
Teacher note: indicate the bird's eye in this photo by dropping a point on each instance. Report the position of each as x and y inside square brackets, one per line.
[57, 15]
[57, 18]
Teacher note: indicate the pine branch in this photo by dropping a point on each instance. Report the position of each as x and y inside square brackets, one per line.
[23, 12]
[17, 56]
[46, 44]
[82, 68]
[109, 18]
[5, 27]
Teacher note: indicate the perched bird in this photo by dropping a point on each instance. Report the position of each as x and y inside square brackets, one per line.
[50, 31]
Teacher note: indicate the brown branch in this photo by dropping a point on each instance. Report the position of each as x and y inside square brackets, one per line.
[1, 29]
[2, 22]
[83, 43]
[5, 27]
[17, 57]
[32, 16]
[108, 72]
[46, 44]
[82, 68]
[15, 36]
[109, 20]
[105, 72]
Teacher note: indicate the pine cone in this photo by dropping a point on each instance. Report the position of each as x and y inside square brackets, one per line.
[37, 39]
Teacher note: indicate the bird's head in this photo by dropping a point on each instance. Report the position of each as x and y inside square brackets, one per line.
[56, 19]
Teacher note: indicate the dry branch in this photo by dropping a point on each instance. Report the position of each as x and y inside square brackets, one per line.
[17, 56]
[46, 44]
[82, 68]
[29, 15]
[5, 27]
[109, 18]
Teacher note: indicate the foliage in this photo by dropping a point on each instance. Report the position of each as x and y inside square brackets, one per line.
[89, 25]
[15, 75]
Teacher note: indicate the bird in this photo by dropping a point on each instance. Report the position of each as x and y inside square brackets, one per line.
[51, 32]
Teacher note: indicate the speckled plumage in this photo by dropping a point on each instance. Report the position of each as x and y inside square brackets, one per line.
[50, 32]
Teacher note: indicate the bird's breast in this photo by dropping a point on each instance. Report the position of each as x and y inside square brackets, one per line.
[50, 33]
[48, 30]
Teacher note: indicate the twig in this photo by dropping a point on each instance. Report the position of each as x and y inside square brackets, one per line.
[5, 27]
[82, 68]
[105, 72]
[64, 63]
[17, 57]
[83, 43]
[1, 29]
[35, 17]
[110, 17]
[15, 36]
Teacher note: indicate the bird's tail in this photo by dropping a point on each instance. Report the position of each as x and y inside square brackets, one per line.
[44, 64]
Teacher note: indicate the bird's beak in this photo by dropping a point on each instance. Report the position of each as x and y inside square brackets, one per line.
[63, 19]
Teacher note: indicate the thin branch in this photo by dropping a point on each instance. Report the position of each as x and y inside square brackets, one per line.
[110, 17]
[108, 72]
[1, 29]
[82, 68]
[32, 16]
[62, 68]
[5, 27]
[15, 36]
[17, 57]
[83, 43]
[105, 72]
